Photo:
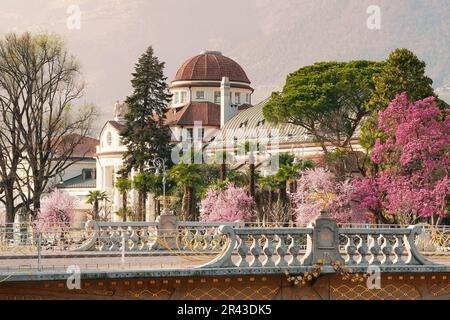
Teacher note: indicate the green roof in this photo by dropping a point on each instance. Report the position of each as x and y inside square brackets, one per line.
[78, 182]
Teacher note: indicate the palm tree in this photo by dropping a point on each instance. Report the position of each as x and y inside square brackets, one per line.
[94, 198]
[222, 158]
[188, 175]
[288, 173]
[141, 183]
[123, 184]
[269, 183]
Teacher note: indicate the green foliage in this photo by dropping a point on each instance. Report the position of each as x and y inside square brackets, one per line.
[268, 182]
[403, 72]
[123, 184]
[187, 174]
[328, 99]
[238, 178]
[145, 134]
[129, 212]
[96, 196]
[289, 169]
[336, 155]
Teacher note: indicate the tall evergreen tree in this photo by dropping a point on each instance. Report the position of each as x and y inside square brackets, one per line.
[403, 72]
[145, 134]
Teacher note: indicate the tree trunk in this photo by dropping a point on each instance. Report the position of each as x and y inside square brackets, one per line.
[36, 203]
[270, 199]
[282, 195]
[252, 180]
[139, 206]
[185, 205]
[292, 186]
[9, 202]
[124, 207]
[223, 171]
[157, 207]
[95, 215]
[190, 199]
[144, 206]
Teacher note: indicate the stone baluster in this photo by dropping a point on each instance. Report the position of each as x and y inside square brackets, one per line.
[115, 239]
[351, 250]
[122, 239]
[374, 248]
[363, 249]
[134, 238]
[387, 250]
[281, 251]
[268, 251]
[144, 240]
[255, 251]
[103, 239]
[398, 250]
[294, 251]
[242, 251]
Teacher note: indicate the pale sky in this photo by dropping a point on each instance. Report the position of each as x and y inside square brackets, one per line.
[268, 38]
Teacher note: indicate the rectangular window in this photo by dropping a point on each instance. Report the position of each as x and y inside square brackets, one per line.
[217, 97]
[190, 134]
[247, 98]
[175, 98]
[201, 133]
[237, 98]
[200, 95]
[183, 97]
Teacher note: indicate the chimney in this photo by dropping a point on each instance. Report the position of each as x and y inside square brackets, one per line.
[225, 104]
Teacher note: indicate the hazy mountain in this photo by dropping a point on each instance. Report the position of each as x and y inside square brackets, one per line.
[268, 38]
[297, 33]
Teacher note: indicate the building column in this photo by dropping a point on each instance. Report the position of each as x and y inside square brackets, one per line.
[116, 193]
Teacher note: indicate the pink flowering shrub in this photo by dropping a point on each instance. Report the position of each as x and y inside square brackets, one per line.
[319, 181]
[230, 204]
[57, 210]
[414, 162]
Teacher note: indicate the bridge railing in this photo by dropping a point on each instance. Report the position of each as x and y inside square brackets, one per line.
[324, 242]
[148, 236]
[258, 243]
[167, 233]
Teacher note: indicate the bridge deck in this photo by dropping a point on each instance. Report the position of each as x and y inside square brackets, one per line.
[96, 265]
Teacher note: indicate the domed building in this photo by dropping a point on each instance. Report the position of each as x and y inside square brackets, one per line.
[212, 103]
[208, 90]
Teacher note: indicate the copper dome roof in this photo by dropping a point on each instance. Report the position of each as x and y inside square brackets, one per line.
[210, 65]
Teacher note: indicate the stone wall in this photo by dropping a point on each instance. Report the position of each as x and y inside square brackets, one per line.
[394, 286]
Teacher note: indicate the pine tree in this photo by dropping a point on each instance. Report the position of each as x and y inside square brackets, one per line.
[145, 134]
[403, 72]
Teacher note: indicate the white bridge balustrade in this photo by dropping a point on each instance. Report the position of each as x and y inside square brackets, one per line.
[277, 249]
[147, 236]
[231, 247]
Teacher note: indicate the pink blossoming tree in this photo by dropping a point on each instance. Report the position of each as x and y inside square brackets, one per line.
[318, 182]
[230, 204]
[413, 161]
[57, 210]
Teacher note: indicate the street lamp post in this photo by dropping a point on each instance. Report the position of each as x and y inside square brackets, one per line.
[159, 164]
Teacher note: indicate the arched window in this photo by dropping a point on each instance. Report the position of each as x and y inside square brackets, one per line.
[109, 138]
